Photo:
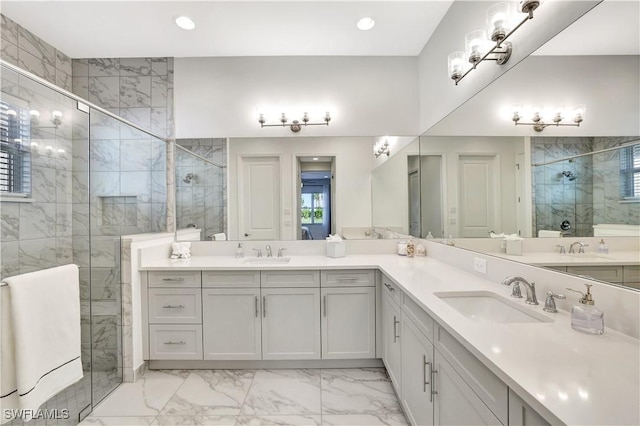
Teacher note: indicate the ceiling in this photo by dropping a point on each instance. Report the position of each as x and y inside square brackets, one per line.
[98, 29]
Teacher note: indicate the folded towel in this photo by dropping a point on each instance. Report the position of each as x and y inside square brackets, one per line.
[219, 237]
[549, 234]
[44, 311]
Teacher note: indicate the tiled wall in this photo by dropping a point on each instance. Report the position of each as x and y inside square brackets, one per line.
[607, 207]
[556, 198]
[202, 200]
[23, 48]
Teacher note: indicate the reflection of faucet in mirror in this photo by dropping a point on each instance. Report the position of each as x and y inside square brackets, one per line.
[188, 178]
[569, 174]
[578, 243]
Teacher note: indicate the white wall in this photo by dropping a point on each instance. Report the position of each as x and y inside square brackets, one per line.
[438, 94]
[353, 176]
[368, 96]
[452, 148]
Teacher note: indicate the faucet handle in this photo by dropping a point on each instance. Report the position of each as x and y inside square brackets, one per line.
[280, 250]
[562, 249]
[582, 246]
[516, 292]
[259, 252]
[550, 303]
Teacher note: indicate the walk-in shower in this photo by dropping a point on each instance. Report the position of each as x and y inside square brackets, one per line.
[82, 179]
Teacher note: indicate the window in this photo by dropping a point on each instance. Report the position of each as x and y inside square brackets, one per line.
[312, 207]
[630, 172]
[15, 153]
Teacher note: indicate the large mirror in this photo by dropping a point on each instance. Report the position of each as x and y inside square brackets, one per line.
[564, 182]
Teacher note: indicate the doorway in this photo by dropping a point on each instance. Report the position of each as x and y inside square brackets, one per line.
[479, 195]
[316, 198]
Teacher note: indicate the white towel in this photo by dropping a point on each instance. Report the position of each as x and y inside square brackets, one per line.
[219, 237]
[549, 234]
[44, 335]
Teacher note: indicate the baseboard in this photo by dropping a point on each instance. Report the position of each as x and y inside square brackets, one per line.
[261, 364]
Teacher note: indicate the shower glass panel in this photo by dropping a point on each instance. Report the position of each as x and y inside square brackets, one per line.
[42, 135]
[200, 186]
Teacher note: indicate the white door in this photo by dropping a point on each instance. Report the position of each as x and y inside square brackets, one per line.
[259, 198]
[290, 323]
[456, 403]
[478, 196]
[231, 324]
[348, 323]
[414, 204]
[417, 363]
[391, 343]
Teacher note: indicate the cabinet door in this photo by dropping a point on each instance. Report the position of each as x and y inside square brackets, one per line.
[455, 402]
[391, 346]
[290, 323]
[348, 323]
[521, 414]
[417, 364]
[231, 323]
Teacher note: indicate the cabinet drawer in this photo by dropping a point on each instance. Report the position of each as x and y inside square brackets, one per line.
[613, 274]
[175, 306]
[391, 289]
[175, 342]
[231, 279]
[491, 390]
[348, 278]
[421, 319]
[283, 279]
[174, 279]
[631, 274]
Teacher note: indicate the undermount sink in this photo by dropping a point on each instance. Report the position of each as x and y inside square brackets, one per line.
[267, 260]
[490, 307]
[586, 255]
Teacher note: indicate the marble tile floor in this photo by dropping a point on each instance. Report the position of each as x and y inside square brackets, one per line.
[361, 396]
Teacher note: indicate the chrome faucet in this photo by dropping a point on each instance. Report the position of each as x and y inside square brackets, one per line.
[529, 286]
[280, 250]
[562, 250]
[268, 248]
[581, 244]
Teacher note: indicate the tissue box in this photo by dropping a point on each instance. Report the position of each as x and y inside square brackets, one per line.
[336, 249]
[514, 247]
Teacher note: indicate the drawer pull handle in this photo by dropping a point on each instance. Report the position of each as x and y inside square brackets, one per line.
[347, 279]
[264, 306]
[256, 306]
[173, 306]
[325, 305]
[389, 287]
[175, 343]
[173, 279]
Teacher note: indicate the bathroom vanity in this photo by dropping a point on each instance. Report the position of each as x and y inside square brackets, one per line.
[447, 363]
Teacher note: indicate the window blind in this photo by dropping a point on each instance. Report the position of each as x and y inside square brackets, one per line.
[15, 153]
[630, 172]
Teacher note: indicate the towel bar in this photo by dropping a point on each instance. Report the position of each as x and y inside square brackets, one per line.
[3, 284]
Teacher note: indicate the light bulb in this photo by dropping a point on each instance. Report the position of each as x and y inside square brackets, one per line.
[475, 45]
[456, 64]
[185, 23]
[365, 24]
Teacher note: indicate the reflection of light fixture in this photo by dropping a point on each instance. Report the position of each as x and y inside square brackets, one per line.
[382, 148]
[34, 116]
[365, 24]
[295, 125]
[554, 115]
[185, 23]
[56, 118]
[499, 23]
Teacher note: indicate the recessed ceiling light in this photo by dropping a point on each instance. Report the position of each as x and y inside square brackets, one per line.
[366, 24]
[185, 22]
[315, 158]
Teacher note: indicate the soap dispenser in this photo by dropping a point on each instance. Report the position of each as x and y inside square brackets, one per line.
[602, 247]
[584, 316]
[239, 251]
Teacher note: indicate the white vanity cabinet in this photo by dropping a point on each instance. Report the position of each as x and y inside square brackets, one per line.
[348, 314]
[232, 328]
[391, 332]
[521, 414]
[290, 315]
[417, 368]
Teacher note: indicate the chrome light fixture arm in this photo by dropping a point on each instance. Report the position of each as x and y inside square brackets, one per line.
[295, 125]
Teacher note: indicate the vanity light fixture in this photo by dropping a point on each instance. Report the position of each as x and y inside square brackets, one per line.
[555, 116]
[56, 118]
[185, 23]
[499, 29]
[382, 148]
[295, 125]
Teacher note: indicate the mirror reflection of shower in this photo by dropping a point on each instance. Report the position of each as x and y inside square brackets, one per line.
[188, 178]
[569, 175]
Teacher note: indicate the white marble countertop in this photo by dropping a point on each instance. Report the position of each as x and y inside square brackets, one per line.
[580, 259]
[566, 376]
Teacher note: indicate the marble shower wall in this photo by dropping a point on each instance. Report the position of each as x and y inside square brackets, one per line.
[556, 198]
[607, 207]
[23, 48]
[202, 200]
